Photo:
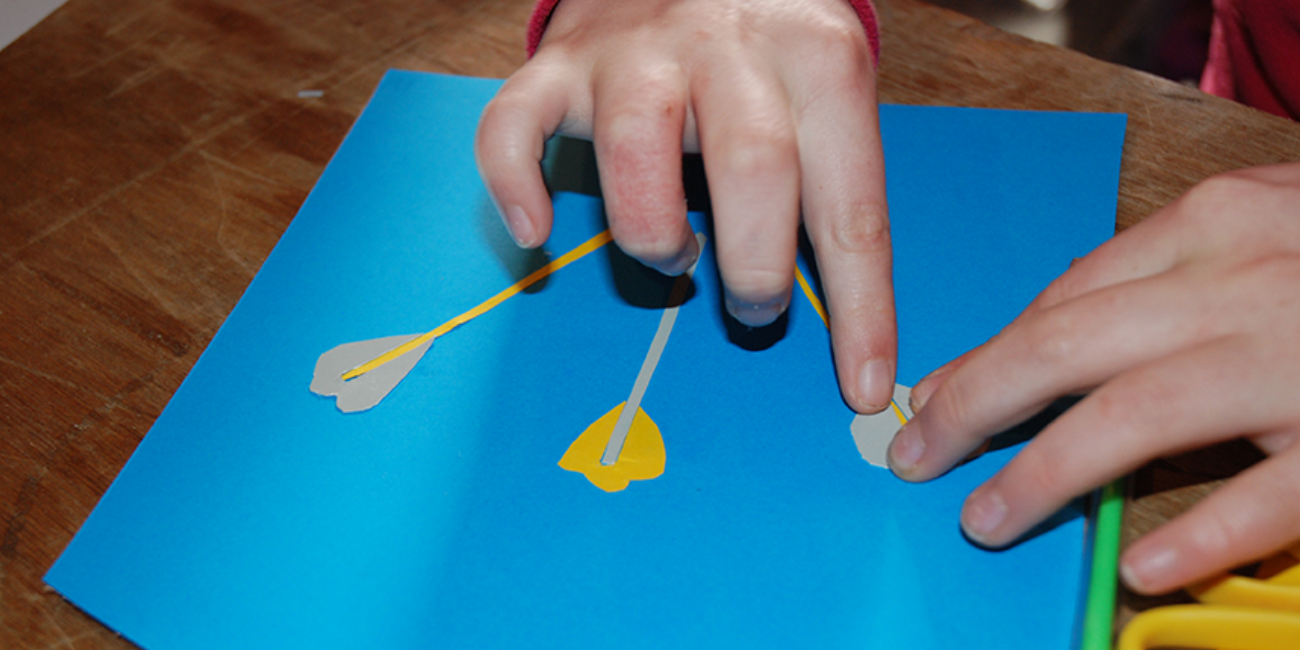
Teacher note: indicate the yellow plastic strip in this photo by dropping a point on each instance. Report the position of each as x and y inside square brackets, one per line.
[812, 297]
[902, 419]
[1279, 593]
[483, 307]
[1289, 577]
[1211, 626]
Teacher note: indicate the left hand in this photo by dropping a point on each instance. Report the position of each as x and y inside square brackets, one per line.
[780, 98]
[1185, 331]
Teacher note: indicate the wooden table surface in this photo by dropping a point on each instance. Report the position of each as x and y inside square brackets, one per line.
[152, 152]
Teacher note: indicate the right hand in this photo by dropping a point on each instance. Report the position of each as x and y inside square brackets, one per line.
[1183, 331]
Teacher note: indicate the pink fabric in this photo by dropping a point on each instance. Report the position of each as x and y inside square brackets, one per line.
[542, 15]
[537, 23]
[867, 14]
[1255, 54]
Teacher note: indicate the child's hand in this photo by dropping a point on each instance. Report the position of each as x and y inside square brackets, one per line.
[778, 95]
[1186, 330]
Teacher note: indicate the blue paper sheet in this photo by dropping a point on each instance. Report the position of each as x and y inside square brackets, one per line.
[256, 515]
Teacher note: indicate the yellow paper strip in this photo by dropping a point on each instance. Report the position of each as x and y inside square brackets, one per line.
[898, 412]
[821, 311]
[812, 297]
[483, 307]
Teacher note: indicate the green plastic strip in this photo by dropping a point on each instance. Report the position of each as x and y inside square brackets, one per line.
[1099, 613]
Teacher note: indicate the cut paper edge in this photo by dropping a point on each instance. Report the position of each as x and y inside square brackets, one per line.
[873, 433]
[364, 392]
[642, 458]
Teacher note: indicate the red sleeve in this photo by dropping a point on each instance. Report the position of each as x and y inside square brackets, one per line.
[542, 15]
[1254, 50]
[537, 23]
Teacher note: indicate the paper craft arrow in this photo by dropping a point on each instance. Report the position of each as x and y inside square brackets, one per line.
[625, 445]
[361, 374]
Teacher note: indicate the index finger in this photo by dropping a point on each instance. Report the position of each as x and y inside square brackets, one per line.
[847, 219]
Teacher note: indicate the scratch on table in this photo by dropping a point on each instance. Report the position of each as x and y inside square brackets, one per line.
[65, 640]
[222, 245]
[159, 297]
[134, 80]
[43, 375]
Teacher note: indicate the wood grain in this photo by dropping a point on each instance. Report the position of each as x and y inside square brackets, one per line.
[154, 151]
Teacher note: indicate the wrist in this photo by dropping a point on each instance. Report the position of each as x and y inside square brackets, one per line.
[542, 11]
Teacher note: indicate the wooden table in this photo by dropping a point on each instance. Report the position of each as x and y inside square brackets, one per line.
[152, 153]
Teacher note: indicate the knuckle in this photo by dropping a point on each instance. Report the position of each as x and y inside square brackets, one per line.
[1222, 186]
[762, 148]
[1036, 473]
[642, 127]
[844, 47]
[951, 408]
[1144, 405]
[494, 117]
[658, 99]
[1110, 407]
[660, 84]
[651, 88]
[861, 231]
[1052, 338]
[1215, 534]
[496, 148]
[1210, 198]
[1068, 284]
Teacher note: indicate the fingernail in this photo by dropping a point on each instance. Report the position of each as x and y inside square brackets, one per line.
[984, 512]
[921, 393]
[678, 264]
[924, 389]
[906, 449]
[520, 227]
[1148, 568]
[875, 385]
[756, 315]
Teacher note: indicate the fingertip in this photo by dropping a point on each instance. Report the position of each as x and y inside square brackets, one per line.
[757, 287]
[905, 452]
[756, 314]
[508, 147]
[682, 261]
[520, 226]
[1150, 568]
[875, 385]
[864, 339]
[983, 516]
